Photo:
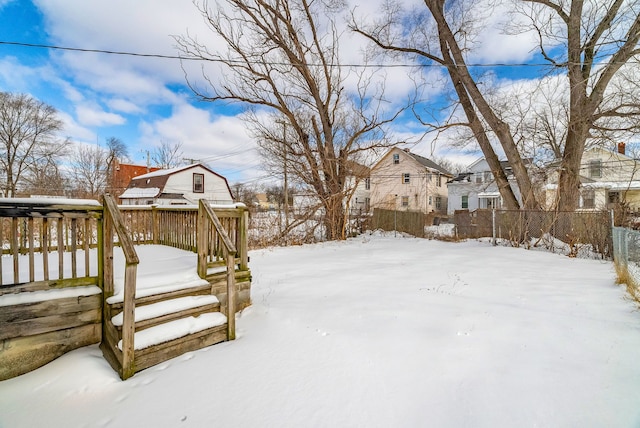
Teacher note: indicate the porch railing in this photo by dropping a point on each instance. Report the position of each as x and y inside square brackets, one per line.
[49, 244]
[113, 222]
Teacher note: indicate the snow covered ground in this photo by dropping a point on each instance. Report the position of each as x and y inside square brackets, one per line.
[379, 332]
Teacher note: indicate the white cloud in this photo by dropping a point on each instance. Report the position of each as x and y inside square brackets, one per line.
[220, 141]
[123, 106]
[95, 116]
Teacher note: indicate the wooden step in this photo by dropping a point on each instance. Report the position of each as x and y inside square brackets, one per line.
[148, 357]
[169, 310]
[177, 329]
[159, 297]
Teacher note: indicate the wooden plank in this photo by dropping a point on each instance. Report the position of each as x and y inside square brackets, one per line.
[67, 305]
[157, 354]
[191, 312]
[45, 248]
[31, 232]
[85, 246]
[231, 298]
[243, 250]
[60, 242]
[24, 354]
[128, 323]
[14, 248]
[74, 248]
[48, 285]
[141, 301]
[49, 323]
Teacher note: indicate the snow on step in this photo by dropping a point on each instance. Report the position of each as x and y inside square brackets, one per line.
[167, 307]
[176, 329]
[143, 290]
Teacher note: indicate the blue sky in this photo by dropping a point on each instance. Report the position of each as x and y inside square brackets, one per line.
[144, 101]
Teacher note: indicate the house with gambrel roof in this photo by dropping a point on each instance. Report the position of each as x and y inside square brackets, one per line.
[183, 185]
[402, 180]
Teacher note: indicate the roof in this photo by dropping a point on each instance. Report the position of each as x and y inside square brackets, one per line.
[357, 170]
[140, 192]
[158, 179]
[428, 163]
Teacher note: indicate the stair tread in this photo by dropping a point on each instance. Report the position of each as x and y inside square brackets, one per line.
[150, 291]
[166, 307]
[176, 329]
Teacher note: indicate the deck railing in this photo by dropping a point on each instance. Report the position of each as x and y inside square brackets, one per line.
[48, 243]
[216, 235]
[113, 222]
[178, 227]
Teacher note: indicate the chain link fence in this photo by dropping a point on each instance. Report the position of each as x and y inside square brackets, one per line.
[577, 234]
[626, 257]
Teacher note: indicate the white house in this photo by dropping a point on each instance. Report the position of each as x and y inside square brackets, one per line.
[402, 180]
[178, 186]
[476, 188]
[606, 178]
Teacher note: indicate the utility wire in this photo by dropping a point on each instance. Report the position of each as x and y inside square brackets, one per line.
[192, 58]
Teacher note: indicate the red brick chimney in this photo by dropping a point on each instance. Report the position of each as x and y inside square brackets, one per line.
[621, 148]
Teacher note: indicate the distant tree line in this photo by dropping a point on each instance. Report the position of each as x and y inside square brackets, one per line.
[34, 160]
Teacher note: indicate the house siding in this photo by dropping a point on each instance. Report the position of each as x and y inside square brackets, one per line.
[389, 187]
[617, 174]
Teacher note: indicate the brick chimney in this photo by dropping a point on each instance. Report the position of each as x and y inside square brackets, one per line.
[621, 148]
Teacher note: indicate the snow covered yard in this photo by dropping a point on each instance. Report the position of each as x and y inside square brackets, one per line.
[379, 332]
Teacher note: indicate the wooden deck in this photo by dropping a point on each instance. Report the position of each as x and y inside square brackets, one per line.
[143, 303]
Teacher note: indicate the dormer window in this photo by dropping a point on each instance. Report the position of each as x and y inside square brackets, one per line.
[396, 158]
[198, 183]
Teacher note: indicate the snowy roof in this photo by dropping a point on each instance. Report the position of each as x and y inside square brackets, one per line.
[140, 192]
[162, 172]
[609, 185]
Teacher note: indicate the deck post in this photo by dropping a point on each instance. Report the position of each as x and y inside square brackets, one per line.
[128, 321]
[202, 241]
[242, 230]
[231, 295]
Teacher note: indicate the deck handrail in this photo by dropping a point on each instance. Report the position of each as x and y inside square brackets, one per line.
[113, 221]
[205, 212]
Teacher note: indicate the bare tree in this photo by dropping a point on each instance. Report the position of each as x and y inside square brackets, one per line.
[90, 170]
[167, 155]
[28, 134]
[44, 177]
[283, 57]
[597, 39]
[116, 151]
[433, 39]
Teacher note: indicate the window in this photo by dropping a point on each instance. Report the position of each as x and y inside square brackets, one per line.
[478, 177]
[405, 201]
[406, 178]
[429, 200]
[487, 176]
[439, 180]
[595, 168]
[367, 204]
[614, 197]
[465, 202]
[367, 184]
[396, 158]
[588, 198]
[198, 183]
[438, 202]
